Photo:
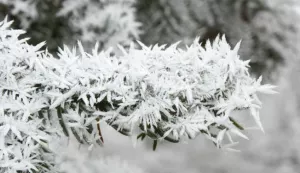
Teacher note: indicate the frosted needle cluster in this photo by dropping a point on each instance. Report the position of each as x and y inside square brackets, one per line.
[162, 92]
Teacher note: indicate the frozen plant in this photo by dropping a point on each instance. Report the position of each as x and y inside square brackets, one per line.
[23, 133]
[164, 93]
[27, 126]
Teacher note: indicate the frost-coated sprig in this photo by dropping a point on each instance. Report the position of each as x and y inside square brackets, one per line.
[24, 134]
[165, 93]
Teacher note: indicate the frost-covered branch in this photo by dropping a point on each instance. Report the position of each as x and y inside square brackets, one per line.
[165, 93]
[24, 130]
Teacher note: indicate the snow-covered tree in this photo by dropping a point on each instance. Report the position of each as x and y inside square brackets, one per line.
[162, 93]
[109, 22]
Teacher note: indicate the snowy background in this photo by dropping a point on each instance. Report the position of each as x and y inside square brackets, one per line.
[269, 30]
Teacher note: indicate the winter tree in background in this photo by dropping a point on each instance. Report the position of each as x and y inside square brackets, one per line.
[156, 92]
[109, 22]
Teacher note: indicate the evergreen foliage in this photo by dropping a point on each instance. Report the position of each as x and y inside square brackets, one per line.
[164, 93]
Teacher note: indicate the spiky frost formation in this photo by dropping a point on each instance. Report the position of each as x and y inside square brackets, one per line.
[24, 134]
[171, 93]
[157, 91]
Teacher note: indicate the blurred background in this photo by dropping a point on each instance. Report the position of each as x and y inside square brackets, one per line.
[270, 34]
